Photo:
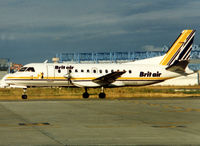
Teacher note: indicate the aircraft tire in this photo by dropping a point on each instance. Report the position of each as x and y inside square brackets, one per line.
[85, 95]
[24, 96]
[102, 95]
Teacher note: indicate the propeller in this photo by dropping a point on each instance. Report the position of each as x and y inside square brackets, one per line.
[68, 76]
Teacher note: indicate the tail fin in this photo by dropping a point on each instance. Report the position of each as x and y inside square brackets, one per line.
[180, 49]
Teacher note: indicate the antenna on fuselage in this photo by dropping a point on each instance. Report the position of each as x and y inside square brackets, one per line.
[45, 61]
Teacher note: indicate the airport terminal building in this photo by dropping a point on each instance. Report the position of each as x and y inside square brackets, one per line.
[4, 66]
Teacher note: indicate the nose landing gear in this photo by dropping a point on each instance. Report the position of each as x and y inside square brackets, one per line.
[24, 95]
[102, 94]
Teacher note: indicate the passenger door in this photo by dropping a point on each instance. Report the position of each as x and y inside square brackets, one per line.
[50, 72]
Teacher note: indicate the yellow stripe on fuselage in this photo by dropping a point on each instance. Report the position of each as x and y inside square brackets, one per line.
[92, 78]
[175, 47]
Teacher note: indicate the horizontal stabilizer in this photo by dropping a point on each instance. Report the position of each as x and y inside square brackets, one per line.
[178, 66]
[109, 78]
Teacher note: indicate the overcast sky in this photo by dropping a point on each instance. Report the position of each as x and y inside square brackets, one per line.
[35, 30]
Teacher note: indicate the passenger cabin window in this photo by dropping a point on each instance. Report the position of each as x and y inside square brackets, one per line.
[22, 69]
[112, 70]
[94, 71]
[76, 70]
[100, 71]
[88, 71]
[130, 71]
[106, 71]
[82, 70]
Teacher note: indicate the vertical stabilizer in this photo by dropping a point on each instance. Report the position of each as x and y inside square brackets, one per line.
[180, 49]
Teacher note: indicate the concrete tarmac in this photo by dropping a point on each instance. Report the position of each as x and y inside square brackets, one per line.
[100, 122]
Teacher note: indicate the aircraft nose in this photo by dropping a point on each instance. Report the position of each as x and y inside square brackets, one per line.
[3, 82]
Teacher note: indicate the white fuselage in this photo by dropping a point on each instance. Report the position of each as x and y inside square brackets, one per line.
[143, 72]
[82, 75]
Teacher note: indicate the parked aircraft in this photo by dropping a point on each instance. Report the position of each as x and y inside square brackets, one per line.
[136, 73]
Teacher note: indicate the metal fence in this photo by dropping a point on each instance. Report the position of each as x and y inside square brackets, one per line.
[122, 56]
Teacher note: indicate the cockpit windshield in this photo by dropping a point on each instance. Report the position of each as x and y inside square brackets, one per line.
[27, 69]
[30, 69]
[22, 69]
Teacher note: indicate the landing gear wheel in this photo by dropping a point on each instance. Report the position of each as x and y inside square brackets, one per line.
[102, 95]
[85, 95]
[24, 96]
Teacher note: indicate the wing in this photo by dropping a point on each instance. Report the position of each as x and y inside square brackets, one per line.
[109, 78]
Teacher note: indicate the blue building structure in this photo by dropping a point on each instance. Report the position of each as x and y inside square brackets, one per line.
[106, 56]
[115, 57]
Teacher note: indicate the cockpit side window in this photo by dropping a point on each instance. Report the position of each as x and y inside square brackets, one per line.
[30, 69]
[23, 69]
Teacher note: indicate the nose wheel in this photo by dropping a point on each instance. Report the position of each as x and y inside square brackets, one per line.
[24, 96]
[102, 94]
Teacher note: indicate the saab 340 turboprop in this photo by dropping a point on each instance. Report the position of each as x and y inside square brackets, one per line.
[142, 72]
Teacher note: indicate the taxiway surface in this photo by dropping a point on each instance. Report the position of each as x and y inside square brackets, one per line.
[100, 122]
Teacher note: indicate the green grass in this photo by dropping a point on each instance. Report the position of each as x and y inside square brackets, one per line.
[123, 92]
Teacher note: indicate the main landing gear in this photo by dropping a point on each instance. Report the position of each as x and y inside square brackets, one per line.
[85, 94]
[101, 94]
[24, 95]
